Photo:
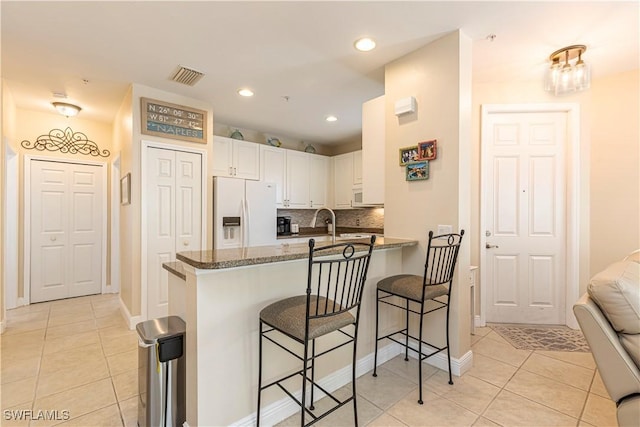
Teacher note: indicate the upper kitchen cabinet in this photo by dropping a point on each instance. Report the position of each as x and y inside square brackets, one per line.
[235, 158]
[319, 183]
[343, 180]
[357, 167]
[273, 169]
[373, 151]
[298, 179]
[301, 178]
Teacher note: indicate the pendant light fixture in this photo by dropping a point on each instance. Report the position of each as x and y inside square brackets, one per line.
[563, 76]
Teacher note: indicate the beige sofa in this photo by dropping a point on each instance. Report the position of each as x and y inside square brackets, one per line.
[609, 316]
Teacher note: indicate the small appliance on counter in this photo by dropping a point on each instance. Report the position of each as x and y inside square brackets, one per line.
[284, 226]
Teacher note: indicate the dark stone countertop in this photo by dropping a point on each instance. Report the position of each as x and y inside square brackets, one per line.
[229, 258]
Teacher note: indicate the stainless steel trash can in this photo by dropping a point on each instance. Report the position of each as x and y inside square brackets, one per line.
[161, 372]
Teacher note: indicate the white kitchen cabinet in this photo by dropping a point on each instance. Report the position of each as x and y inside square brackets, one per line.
[301, 178]
[273, 169]
[343, 180]
[373, 151]
[235, 158]
[319, 181]
[357, 168]
[298, 179]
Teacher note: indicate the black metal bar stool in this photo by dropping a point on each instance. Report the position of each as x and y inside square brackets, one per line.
[335, 282]
[434, 287]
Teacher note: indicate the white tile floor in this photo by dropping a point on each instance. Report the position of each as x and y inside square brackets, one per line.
[78, 355]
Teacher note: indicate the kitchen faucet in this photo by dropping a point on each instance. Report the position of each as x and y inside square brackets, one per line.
[333, 221]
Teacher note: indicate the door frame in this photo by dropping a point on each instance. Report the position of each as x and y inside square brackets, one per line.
[145, 145]
[27, 217]
[573, 199]
[114, 285]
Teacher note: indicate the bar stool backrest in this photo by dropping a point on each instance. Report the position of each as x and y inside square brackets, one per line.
[442, 254]
[337, 274]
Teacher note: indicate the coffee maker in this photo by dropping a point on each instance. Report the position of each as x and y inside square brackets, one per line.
[283, 226]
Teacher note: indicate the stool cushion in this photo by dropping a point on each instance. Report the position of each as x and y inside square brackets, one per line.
[410, 286]
[289, 316]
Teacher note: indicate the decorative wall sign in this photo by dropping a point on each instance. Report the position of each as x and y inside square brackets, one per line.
[173, 121]
[428, 150]
[66, 141]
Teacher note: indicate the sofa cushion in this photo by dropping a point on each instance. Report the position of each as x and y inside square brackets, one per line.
[616, 290]
[633, 256]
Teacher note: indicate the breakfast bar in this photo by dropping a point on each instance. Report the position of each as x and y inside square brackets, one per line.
[219, 294]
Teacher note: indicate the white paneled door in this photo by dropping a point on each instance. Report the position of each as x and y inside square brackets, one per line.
[525, 211]
[174, 208]
[66, 230]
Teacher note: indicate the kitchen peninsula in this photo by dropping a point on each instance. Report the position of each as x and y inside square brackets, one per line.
[219, 294]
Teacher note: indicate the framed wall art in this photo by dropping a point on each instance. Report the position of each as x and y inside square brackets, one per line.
[428, 150]
[417, 171]
[408, 154]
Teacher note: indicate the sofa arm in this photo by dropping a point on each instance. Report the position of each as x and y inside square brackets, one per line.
[619, 373]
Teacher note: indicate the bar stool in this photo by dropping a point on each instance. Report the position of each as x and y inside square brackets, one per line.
[335, 283]
[434, 287]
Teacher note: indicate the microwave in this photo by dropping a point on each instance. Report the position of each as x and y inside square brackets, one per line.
[357, 199]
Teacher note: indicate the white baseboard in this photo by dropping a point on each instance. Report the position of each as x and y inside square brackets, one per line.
[2, 326]
[132, 321]
[458, 366]
[20, 302]
[477, 322]
[285, 407]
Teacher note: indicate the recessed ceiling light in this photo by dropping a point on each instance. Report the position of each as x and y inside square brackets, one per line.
[331, 118]
[245, 92]
[365, 44]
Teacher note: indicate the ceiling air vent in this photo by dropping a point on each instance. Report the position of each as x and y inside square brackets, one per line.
[186, 76]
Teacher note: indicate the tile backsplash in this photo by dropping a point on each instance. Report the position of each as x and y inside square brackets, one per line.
[359, 218]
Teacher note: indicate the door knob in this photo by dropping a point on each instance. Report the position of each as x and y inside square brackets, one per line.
[186, 243]
[488, 246]
[52, 238]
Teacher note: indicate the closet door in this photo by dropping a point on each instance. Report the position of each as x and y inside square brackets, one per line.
[174, 217]
[66, 230]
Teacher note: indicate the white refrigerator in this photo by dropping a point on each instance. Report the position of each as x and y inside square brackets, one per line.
[244, 213]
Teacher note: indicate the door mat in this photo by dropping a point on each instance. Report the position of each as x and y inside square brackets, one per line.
[550, 338]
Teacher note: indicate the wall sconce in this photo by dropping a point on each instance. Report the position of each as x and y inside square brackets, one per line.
[68, 110]
[563, 76]
[405, 106]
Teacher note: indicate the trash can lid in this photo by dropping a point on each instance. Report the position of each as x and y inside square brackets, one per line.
[164, 327]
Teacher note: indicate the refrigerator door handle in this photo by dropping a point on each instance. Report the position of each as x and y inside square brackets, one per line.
[243, 224]
[247, 223]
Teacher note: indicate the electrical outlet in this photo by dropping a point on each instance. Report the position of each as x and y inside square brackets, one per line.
[445, 229]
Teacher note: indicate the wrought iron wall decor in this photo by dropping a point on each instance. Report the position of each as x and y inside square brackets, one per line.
[66, 141]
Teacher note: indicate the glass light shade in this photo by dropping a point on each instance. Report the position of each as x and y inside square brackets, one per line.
[65, 109]
[581, 76]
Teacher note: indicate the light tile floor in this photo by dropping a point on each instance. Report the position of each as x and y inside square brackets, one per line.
[78, 355]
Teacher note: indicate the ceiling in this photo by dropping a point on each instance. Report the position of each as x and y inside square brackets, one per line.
[92, 51]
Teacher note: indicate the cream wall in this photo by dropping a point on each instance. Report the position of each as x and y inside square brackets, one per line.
[608, 118]
[29, 125]
[131, 157]
[615, 168]
[8, 118]
[122, 143]
[438, 76]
